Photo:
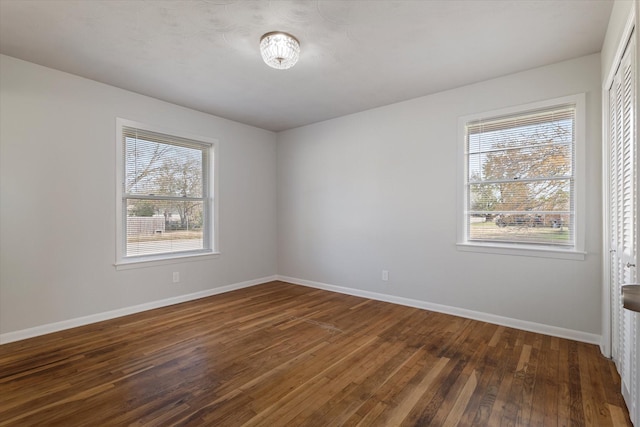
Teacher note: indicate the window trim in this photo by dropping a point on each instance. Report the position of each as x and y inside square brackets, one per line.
[122, 262]
[576, 252]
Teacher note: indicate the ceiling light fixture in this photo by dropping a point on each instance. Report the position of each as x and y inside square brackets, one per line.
[279, 50]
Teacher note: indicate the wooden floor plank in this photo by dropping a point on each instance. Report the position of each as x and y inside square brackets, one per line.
[284, 355]
[454, 416]
[400, 412]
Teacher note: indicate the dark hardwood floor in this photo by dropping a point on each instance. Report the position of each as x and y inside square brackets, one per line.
[285, 355]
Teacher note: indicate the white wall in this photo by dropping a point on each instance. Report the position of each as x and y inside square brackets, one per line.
[355, 195]
[377, 190]
[57, 206]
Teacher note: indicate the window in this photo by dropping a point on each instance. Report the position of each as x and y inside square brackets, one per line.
[520, 177]
[164, 194]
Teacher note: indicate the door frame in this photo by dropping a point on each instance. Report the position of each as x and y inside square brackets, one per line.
[606, 321]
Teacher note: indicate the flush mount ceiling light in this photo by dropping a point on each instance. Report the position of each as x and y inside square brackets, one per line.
[279, 50]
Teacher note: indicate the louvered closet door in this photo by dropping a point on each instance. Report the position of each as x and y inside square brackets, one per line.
[623, 225]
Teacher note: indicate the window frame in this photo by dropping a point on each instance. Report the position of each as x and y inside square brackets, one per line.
[210, 237]
[575, 252]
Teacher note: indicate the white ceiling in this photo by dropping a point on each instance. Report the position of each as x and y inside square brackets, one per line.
[355, 55]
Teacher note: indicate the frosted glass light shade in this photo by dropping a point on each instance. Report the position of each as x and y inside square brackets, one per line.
[279, 50]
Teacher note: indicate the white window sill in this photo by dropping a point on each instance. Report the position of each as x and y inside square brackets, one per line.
[152, 261]
[522, 250]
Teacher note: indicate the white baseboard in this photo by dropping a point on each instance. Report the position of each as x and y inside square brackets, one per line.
[455, 311]
[112, 314]
[470, 314]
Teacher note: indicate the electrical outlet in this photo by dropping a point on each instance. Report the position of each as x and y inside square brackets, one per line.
[176, 277]
[385, 275]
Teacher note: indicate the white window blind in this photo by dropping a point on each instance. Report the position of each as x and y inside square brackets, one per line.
[166, 205]
[520, 178]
